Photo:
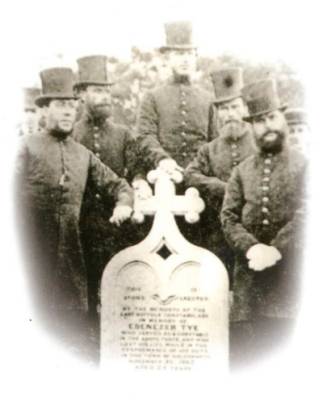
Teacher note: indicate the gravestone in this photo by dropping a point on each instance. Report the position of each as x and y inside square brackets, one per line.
[165, 300]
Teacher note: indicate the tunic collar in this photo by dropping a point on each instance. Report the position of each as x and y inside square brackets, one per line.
[181, 80]
[56, 136]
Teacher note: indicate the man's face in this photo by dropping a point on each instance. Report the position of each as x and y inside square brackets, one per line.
[270, 131]
[97, 100]
[231, 111]
[60, 115]
[297, 130]
[30, 120]
[183, 62]
[297, 135]
[230, 114]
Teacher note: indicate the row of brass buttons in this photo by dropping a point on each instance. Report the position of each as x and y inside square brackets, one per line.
[265, 190]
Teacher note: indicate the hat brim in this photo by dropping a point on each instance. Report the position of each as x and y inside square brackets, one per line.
[250, 118]
[225, 99]
[296, 122]
[164, 49]
[83, 84]
[42, 101]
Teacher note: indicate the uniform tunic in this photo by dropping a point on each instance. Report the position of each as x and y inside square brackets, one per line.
[52, 177]
[264, 203]
[209, 173]
[115, 146]
[173, 122]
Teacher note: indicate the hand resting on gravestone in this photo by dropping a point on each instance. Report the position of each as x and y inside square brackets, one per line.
[142, 189]
[170, 166]
[120, 214]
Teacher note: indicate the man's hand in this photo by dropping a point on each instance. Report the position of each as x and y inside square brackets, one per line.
[142, 189]
[275, 254]
[262, 256]
[169, 166]
[120, 214]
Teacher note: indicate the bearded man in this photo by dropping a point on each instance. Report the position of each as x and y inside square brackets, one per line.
[174, 118]
[262, 216]
[115, 146]
[211, 168]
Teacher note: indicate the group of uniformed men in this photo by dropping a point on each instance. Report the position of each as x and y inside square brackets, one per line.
[76, 183]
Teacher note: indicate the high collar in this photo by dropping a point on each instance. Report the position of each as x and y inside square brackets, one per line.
[181, 79]
[55, 136]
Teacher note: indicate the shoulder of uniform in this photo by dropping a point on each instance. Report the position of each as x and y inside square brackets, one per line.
[161, 88]
[204, 92]
[79, 146]
[297, 156]
[78, 129]
[121, 129]
[32, 139]
[213, 144]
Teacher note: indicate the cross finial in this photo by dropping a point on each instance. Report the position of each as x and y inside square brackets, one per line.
[165, 199]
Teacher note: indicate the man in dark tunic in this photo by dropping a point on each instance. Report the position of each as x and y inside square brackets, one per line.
[211, 168]
[53, 173]
[115, 146]
[262, 214]
[173, 120]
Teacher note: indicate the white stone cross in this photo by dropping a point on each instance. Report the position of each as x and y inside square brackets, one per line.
[141, 289]
[166, 201]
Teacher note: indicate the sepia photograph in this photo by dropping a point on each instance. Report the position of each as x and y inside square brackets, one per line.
[162, 199]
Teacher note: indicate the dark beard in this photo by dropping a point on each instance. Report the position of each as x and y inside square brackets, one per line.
[274, 146]
[232, 130]
[182, 78]
[59, 134]
[100, 113]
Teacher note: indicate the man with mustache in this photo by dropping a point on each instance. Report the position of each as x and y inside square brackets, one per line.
[173, 118]
[262, 215]
[211, 168]
[53, 173]
[114, 145]
[176, 118]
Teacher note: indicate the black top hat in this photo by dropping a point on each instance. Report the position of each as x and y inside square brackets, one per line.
[30, 95]
[295, 116]
[92, 70]
[178, 36]
[261, 98]
[57, 83]
[227, 83]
